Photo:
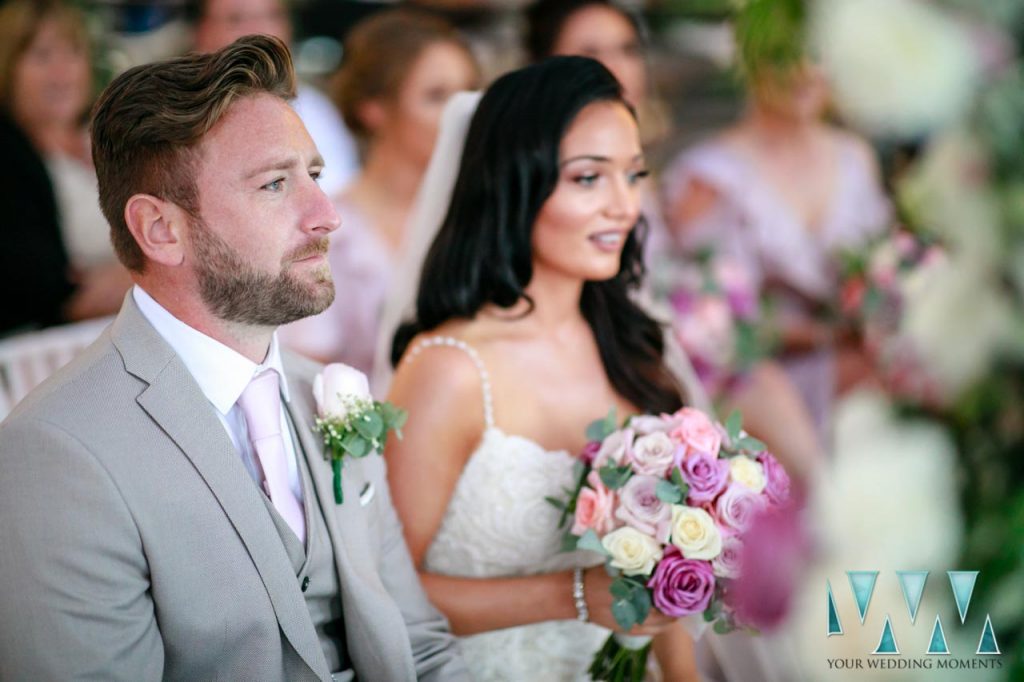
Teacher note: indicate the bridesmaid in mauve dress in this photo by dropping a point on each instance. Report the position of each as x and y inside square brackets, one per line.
[783, 193]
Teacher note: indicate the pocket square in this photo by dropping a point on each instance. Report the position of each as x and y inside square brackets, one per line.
[366, 494]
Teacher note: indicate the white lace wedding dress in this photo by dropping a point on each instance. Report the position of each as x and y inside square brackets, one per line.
[497, 525]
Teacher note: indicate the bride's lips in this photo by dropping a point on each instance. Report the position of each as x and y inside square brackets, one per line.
[609, 241]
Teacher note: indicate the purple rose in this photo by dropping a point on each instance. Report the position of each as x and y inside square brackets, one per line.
[776, 479]
[738, 506]
[681, 586]
[706, 475]
[640, 508]
[590, 451]
[776, 551]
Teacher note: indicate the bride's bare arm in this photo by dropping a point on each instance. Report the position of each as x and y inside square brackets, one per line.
[443, 394]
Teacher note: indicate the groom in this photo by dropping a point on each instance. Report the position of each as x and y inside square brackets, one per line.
[165, 508]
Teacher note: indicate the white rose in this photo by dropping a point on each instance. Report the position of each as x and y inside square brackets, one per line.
[614, 449]
[337, 387]
[632, 552]
[694, 532]
[746, 471]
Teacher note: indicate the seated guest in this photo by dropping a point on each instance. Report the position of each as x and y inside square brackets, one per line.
[167, 511]
[399, 70]
[57, 253]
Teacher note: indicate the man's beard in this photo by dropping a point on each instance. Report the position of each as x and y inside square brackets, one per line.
[236, 292]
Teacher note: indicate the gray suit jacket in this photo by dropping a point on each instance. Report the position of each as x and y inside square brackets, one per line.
[134, 545]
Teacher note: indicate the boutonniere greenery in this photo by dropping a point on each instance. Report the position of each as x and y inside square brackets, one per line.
[350, 421]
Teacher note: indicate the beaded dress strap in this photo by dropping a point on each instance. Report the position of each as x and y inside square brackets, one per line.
[485, 380]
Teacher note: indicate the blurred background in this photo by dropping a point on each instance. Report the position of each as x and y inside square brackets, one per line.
[836, 213]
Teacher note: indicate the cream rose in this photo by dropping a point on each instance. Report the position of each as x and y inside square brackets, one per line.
[632, 552]
[337, 388]
[694, 532]
[747, 472]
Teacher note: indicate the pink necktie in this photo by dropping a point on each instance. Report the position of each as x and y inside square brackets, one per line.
[261, 405]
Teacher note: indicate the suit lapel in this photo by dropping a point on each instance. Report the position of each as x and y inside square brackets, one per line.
[175, 402]
[372, 618]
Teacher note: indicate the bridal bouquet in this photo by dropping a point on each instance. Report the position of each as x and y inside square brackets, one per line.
[350, 421]
[716, 319]
[666, 499]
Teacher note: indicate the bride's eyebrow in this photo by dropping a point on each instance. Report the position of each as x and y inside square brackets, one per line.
[595, 157]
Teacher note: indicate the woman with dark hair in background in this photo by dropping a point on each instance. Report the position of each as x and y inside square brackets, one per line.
[56, 261]
[524, 333]
[400, 68]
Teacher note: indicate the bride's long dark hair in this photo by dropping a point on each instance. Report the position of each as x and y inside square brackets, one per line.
[483, 252]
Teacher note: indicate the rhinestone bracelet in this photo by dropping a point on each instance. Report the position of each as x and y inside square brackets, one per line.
[582, 613]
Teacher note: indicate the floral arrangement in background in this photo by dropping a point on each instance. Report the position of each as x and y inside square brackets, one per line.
[717, 319]
[666, 500]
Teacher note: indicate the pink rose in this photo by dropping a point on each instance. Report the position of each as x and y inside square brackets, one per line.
[728, 563]
[681, 586]
[640, 508]
[706, 475]
[776, 479]
[615, 448]
[696, 431]
[653, 454]
[738, 506]
[594, 507]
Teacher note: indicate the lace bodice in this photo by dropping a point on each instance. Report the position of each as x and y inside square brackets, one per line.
[499, 524]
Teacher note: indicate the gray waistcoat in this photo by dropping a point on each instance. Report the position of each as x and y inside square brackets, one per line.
[315, 570]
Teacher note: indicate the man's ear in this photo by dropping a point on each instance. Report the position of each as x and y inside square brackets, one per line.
[158, 227]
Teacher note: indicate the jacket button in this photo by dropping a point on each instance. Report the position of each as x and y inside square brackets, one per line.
[305, 583]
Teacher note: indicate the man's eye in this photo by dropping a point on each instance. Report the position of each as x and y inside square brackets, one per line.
[275, 186]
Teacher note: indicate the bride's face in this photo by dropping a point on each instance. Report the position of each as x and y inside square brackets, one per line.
[582, 227]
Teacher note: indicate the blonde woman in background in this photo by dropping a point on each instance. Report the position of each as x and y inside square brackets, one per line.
[399, 70]
[68, 273]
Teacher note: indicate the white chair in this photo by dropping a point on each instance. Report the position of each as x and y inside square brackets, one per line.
[27, 359]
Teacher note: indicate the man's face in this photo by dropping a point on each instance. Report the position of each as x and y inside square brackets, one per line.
[258, 248]
[225, 21]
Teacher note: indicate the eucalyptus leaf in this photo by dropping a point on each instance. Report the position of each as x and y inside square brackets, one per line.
[621, 588]
[615, 477]
[752, 444]
[590, 541]
[733, 424]
[370, 426]
[625, 613]
[642, 604]
[355, 445]
[668, 492]
[555, 502]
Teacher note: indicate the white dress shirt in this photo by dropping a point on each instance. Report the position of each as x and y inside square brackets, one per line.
[222, 375]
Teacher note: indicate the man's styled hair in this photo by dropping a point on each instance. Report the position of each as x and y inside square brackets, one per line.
[149, 121]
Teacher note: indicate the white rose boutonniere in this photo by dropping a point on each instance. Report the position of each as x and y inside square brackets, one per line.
[349, 419]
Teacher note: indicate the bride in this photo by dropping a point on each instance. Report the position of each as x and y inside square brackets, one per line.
[525, 316]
